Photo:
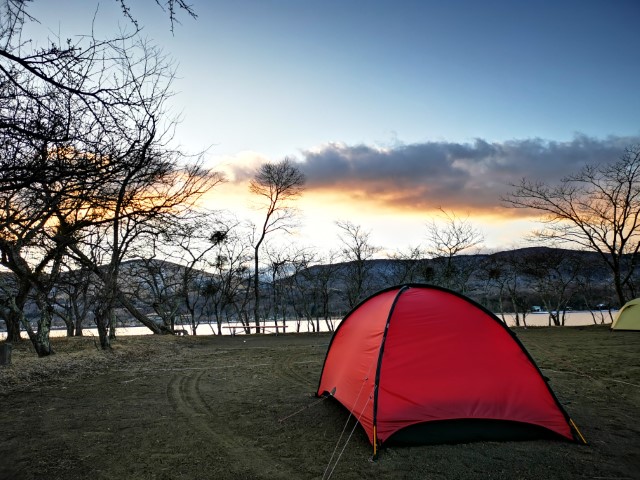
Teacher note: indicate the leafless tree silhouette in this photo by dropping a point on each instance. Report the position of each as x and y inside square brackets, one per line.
[596, 209]
[277, 184]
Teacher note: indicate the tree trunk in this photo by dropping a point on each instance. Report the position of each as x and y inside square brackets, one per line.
[102, 314]
[150, 324]
[617, 281]
[120, 296]
[13, 326]
[43, 342]
[40, 340]
[68, 319]
[112, 325]
[16, 312]
[515, 309]
[78, 322]
[256, 288]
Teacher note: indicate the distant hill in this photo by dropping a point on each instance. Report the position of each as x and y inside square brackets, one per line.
[502, 281]
[479, 275]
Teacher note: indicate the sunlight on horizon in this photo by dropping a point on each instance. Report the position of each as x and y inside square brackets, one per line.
[391, 228]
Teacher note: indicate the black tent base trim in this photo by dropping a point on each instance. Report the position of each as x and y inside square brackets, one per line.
[469, 430]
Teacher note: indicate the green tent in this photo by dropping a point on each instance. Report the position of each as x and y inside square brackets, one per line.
[628, 317]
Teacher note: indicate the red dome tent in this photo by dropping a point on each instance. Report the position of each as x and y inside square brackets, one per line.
[422, 364]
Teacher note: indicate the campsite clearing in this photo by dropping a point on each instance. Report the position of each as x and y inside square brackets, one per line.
[244, 407]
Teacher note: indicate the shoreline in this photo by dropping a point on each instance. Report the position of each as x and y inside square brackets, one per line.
[533, 319]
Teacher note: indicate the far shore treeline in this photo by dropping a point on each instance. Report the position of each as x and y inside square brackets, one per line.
[180, 296]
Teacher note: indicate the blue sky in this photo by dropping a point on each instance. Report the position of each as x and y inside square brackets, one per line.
[280, 77]
[395, 108]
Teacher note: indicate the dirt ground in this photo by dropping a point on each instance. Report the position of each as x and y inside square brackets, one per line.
[243, 408]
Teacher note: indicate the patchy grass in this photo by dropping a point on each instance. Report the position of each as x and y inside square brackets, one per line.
[243, 407]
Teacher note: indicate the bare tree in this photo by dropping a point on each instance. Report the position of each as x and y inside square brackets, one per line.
[588, 289]
[299, 290]
[503, 278]
[84, 136]
[32, 247]
[445, 242]
[170, 6]
[596, 209]
[142, 203]
[312, 285]
[309, 287]
[14, 292]
[554, 275]
[177, 280]
[226, 290]
[196, 240]
[279, 266]
[407, 266]
[159, 285]
[74, 298]
[325, 281]
[357, 251]
[492, 273]
[277, 184]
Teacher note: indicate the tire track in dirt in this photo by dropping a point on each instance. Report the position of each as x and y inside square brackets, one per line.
[298, 367]
[185, 395]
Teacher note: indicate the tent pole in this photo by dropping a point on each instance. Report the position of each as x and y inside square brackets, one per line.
[375, 443]
[575, 427]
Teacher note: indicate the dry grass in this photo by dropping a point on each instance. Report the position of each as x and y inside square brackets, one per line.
[243, 407]
[73, 359]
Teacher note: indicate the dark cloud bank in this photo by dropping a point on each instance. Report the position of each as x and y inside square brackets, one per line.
[454, 176]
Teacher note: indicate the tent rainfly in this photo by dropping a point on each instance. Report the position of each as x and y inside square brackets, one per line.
[628, 317]
[420, 364]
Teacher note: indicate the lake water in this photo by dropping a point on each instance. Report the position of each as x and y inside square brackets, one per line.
[576, 318]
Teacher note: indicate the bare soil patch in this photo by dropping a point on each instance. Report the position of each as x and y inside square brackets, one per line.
[244, 408]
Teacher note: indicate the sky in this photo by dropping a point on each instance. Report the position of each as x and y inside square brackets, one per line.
[393, 109]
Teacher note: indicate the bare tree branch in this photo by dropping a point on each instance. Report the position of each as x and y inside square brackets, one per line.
[598, 209]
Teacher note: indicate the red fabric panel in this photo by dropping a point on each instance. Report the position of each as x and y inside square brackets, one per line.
[444, 358]
[350, 366]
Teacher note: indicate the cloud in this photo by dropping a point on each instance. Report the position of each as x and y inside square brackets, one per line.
[238, 168]
[456, 176]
